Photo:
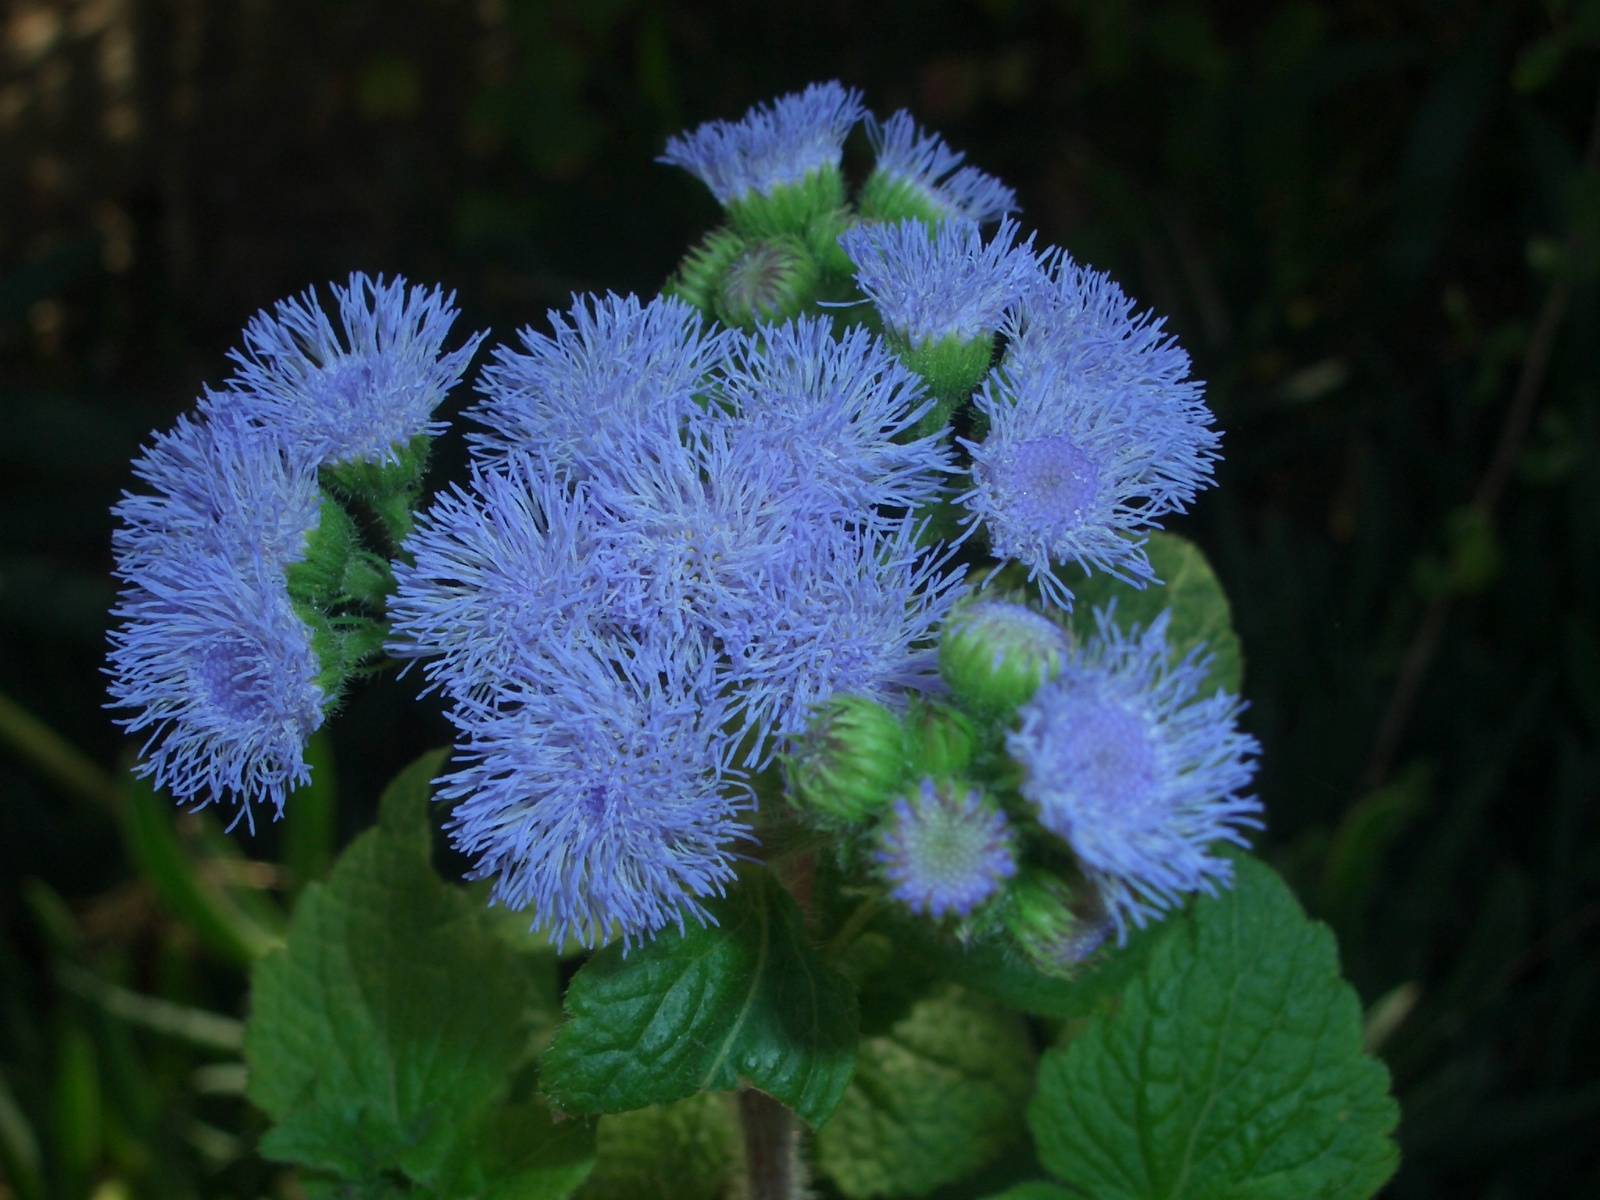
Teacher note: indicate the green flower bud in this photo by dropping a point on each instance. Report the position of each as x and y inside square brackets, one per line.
[942, 740]
[1050, 925]
[994, 654]
[700, 273]
[849, 762]
[770, 280]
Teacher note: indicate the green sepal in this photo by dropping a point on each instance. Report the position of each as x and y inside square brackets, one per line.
[850, 760]
[317, 580]
[345, 646]
[885, 197]
[822, 236]
[951, 367]
[390, 491]
[788, 208]
[940, 740]
[771, 279]
[699, 275]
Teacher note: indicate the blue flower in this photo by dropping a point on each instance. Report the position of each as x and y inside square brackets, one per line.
[220, 487]
[598, 792]
[207, 650]
[1094, 435]
[945, 849]
[774, 145]
[1135, 771]
[844, 611]
[513, 567]
[611, 365]
[924, 165]
[359, 393]
[944, 282]
[221, 677]
[835, 413]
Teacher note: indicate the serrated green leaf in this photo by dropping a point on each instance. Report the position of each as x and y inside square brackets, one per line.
[383, 1037]
[518, 1152]
[1232, 1068]
[683, 1151]
[1200, 610]
[745, 999]
[933, 1100]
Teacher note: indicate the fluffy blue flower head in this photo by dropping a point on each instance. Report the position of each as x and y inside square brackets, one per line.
[361, 392]
[207, 651]
[610, 364]
[945, 849]
[1092, 439]
[836, 413]
[1135, 771]
[773, 145]
[941, 283]
[597, 793]
[918, 171]
[509, 568]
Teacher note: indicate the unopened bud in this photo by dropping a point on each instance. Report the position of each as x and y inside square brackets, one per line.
[994, 654]
[849, 761]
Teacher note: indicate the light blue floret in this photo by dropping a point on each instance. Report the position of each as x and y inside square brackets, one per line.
[358, 392]
[836, 413]
[598, 791]
[923, 161]
[1136, 772]
[945, 282]
[945, 850]
[773, 145]
[610, 366]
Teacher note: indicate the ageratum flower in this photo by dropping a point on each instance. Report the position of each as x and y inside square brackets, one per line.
[844, 611]
[219, 487]
[945, 849]
[837, 414]
[610, 365]
[1077, 462]
[357, 393]
[511, 567]
[598, 793]
[774, 145]
[923, 167]
[1140, 775]
[207, 651]
[944, 282]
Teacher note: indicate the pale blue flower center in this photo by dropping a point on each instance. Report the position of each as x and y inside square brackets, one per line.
[1108, 760]
[227, 677]
[1047, 483]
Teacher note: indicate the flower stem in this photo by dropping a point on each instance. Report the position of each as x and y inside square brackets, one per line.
[773, 1170]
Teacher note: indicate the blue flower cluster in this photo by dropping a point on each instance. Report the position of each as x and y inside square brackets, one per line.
[680, 543]
[715, 532]
[212, 652]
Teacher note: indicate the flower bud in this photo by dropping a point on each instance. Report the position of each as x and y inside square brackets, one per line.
[849, 761]
[699, 275]
[994, 654]
[1049, 924]
[942, 739]
[770, 280]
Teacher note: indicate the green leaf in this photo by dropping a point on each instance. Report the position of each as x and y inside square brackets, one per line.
[933, 1100]
[702, 1010]
[1036, 1191]
[683, 1151]
[1200, 610]
[383, 1038]
[1232, 1068]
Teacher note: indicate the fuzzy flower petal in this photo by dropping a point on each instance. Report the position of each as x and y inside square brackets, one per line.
[944, 282]
[610, 364]
[838, 412]
[598, 792]
[1124, 761]
[357, 393]
[772, 146]
[945, 850]
[923, 163]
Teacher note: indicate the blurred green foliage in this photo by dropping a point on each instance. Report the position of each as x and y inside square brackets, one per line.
[1374, 226]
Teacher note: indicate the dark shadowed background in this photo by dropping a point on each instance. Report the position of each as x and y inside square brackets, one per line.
[1375, 226]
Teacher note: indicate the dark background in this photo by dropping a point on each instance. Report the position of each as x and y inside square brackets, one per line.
[1373, 225]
